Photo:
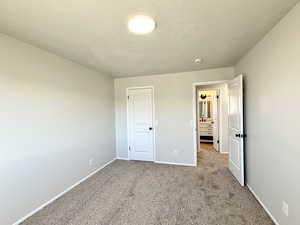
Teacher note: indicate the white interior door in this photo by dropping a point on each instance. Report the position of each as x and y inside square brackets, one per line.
[215, 121]
[140, 124]
[235, 125]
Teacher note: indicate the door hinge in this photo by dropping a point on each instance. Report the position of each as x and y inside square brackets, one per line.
[218, 141]
[128, 97]
[218, 96]
[129, 148]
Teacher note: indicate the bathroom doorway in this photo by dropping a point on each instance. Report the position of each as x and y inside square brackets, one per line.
[211, 115]
[210, 143]
[208, 119]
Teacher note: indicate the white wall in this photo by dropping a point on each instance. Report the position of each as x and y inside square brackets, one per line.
[173, 97]
[55, 115]
[272, 78]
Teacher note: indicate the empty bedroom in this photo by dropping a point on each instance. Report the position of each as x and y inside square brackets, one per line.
[149, 112]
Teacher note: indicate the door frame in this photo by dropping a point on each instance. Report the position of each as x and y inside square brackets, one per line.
[153, 118]
[194, 121]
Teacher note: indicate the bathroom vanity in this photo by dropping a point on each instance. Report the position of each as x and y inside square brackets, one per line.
[206, 131]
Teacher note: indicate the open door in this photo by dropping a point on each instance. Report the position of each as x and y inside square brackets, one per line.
[215, 121]
[236, 128]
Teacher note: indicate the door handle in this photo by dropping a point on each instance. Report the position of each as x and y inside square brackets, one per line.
[150, 128]
[240, 135]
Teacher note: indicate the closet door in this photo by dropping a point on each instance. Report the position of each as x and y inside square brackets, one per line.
[140, 124]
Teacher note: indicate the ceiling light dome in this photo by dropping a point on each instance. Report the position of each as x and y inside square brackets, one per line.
[141, 24]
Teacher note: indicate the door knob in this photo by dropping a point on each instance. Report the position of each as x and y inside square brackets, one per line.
[150, 128]
[240, 135]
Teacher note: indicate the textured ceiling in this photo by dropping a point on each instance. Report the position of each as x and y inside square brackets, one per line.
[94, 32]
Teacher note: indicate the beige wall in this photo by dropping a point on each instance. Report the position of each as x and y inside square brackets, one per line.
[55, 115]
[272, 79]
[173, 98]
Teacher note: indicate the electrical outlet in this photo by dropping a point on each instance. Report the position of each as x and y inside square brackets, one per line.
[91, 162]
[285, 208]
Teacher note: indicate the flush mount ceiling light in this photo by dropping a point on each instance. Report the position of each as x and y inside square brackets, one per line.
[141, 24]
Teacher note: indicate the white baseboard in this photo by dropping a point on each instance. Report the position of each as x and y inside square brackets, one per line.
[178, 164]
[61, 194]
[262, 204]
[163, 162]
[121, 158]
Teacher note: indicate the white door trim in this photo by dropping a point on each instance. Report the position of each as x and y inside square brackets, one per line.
[153, 119]
[194, 104]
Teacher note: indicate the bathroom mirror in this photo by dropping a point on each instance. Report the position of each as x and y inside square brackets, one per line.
[204, 109]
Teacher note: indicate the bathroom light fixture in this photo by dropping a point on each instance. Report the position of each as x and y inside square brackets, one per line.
[203, 96]
[141, 24]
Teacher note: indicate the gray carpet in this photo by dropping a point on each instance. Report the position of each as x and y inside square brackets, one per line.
[139, 193]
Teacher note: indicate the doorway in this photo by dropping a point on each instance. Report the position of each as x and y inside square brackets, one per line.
[208, 119]
[140, 112]
[211, 117]
[229, 123]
